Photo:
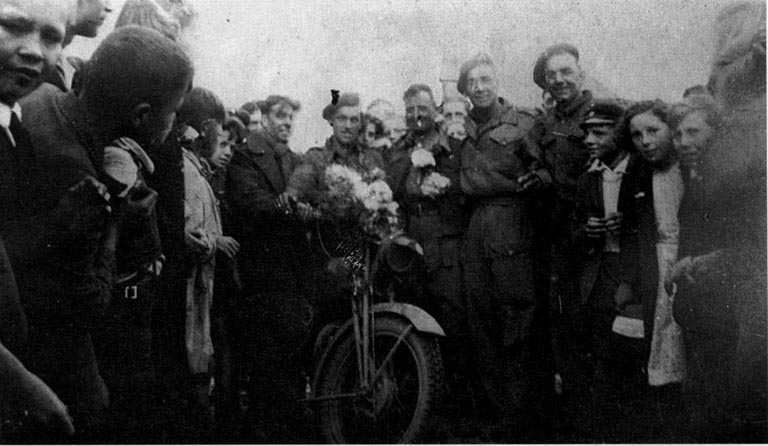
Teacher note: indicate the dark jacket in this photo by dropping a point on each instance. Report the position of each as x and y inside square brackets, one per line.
[590, 203]
[560, 138]
[65, 287]
[447, 213]
[259, 172]
[273, 243]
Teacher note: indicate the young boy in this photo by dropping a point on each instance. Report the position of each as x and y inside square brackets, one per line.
[604, 359]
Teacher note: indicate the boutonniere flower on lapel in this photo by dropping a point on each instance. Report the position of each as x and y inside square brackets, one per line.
[434, 185]
[640, 194]
[422, 158]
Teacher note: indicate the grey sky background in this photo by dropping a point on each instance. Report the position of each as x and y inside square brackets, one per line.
[247, 49]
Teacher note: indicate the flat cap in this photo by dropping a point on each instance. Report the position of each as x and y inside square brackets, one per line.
[338, 101]
[539, 77]
[602, 112]
[475, 61]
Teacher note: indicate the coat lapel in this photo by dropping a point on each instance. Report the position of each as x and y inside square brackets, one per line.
[263, 156]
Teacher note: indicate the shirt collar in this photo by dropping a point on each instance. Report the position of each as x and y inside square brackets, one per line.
[6, 111]
[598, 166]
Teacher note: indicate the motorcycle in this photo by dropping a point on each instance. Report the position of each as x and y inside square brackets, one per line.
[379, 375]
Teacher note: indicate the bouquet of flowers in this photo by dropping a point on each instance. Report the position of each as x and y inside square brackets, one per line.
[431, 183]
[363, 198]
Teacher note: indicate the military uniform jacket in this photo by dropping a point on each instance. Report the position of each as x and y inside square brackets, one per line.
[495, 154]
[560, 138]
[308, 180]
[447, 212]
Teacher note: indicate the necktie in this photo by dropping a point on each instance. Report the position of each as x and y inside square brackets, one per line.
[20, 135]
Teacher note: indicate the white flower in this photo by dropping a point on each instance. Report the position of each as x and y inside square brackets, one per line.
[434, 184]
[338, 173]
[392, 207]
[422, 158]
[374, 195]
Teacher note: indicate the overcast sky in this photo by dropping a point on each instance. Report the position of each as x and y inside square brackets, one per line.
[247, 49]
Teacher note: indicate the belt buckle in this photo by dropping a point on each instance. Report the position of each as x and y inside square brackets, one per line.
[131, 292]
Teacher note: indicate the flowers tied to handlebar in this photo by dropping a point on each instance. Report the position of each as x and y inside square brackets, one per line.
[361, 197]
[431, 183]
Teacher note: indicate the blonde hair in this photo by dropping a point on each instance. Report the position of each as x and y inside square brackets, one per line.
[149, 14]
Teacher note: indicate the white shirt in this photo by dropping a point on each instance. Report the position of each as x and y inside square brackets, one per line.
[5, 118]
[611, 187]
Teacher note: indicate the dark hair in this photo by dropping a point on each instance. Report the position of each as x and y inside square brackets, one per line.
[656, 107]
[134, 65]
[237, 128]
[201, 105]
[250, 106]
[243, 115]
[476, 61]
[415, 89]
[703, 103]
[266, 105]
[377, 123]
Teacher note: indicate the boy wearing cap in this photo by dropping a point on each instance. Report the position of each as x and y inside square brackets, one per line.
[606, 222]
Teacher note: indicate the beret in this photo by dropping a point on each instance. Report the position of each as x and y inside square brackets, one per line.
[476, 61]
[602, 112]
[539, 77]
[338, 101]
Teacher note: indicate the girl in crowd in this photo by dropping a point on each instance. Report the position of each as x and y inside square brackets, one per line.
[647, 129]
[203, 114]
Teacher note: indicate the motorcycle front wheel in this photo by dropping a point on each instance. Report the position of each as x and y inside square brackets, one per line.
[398, 404]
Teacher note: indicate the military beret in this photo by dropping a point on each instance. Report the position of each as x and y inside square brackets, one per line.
[338, 101]
[476, 61]
[602, 112]
[539, 75]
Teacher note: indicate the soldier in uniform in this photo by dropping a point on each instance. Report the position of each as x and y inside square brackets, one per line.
[343, 113]
[501, 171]
[437, 219]
[559, 136]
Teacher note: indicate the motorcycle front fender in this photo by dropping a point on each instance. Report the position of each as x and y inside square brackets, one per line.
[421, 320]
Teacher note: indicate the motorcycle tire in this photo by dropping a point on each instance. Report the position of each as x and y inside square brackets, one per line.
[404, 396]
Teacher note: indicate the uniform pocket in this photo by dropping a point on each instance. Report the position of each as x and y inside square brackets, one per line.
[505, 134]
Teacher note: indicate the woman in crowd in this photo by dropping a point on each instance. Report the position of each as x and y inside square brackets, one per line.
[657, 198]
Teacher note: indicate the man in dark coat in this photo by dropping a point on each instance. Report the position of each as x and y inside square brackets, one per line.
[273, 267]
[24, 49]
[500, 171]
[66, 288]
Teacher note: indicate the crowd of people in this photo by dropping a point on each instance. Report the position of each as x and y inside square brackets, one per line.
[590, 261]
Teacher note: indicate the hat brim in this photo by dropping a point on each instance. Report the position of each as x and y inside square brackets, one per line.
[597, 121]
